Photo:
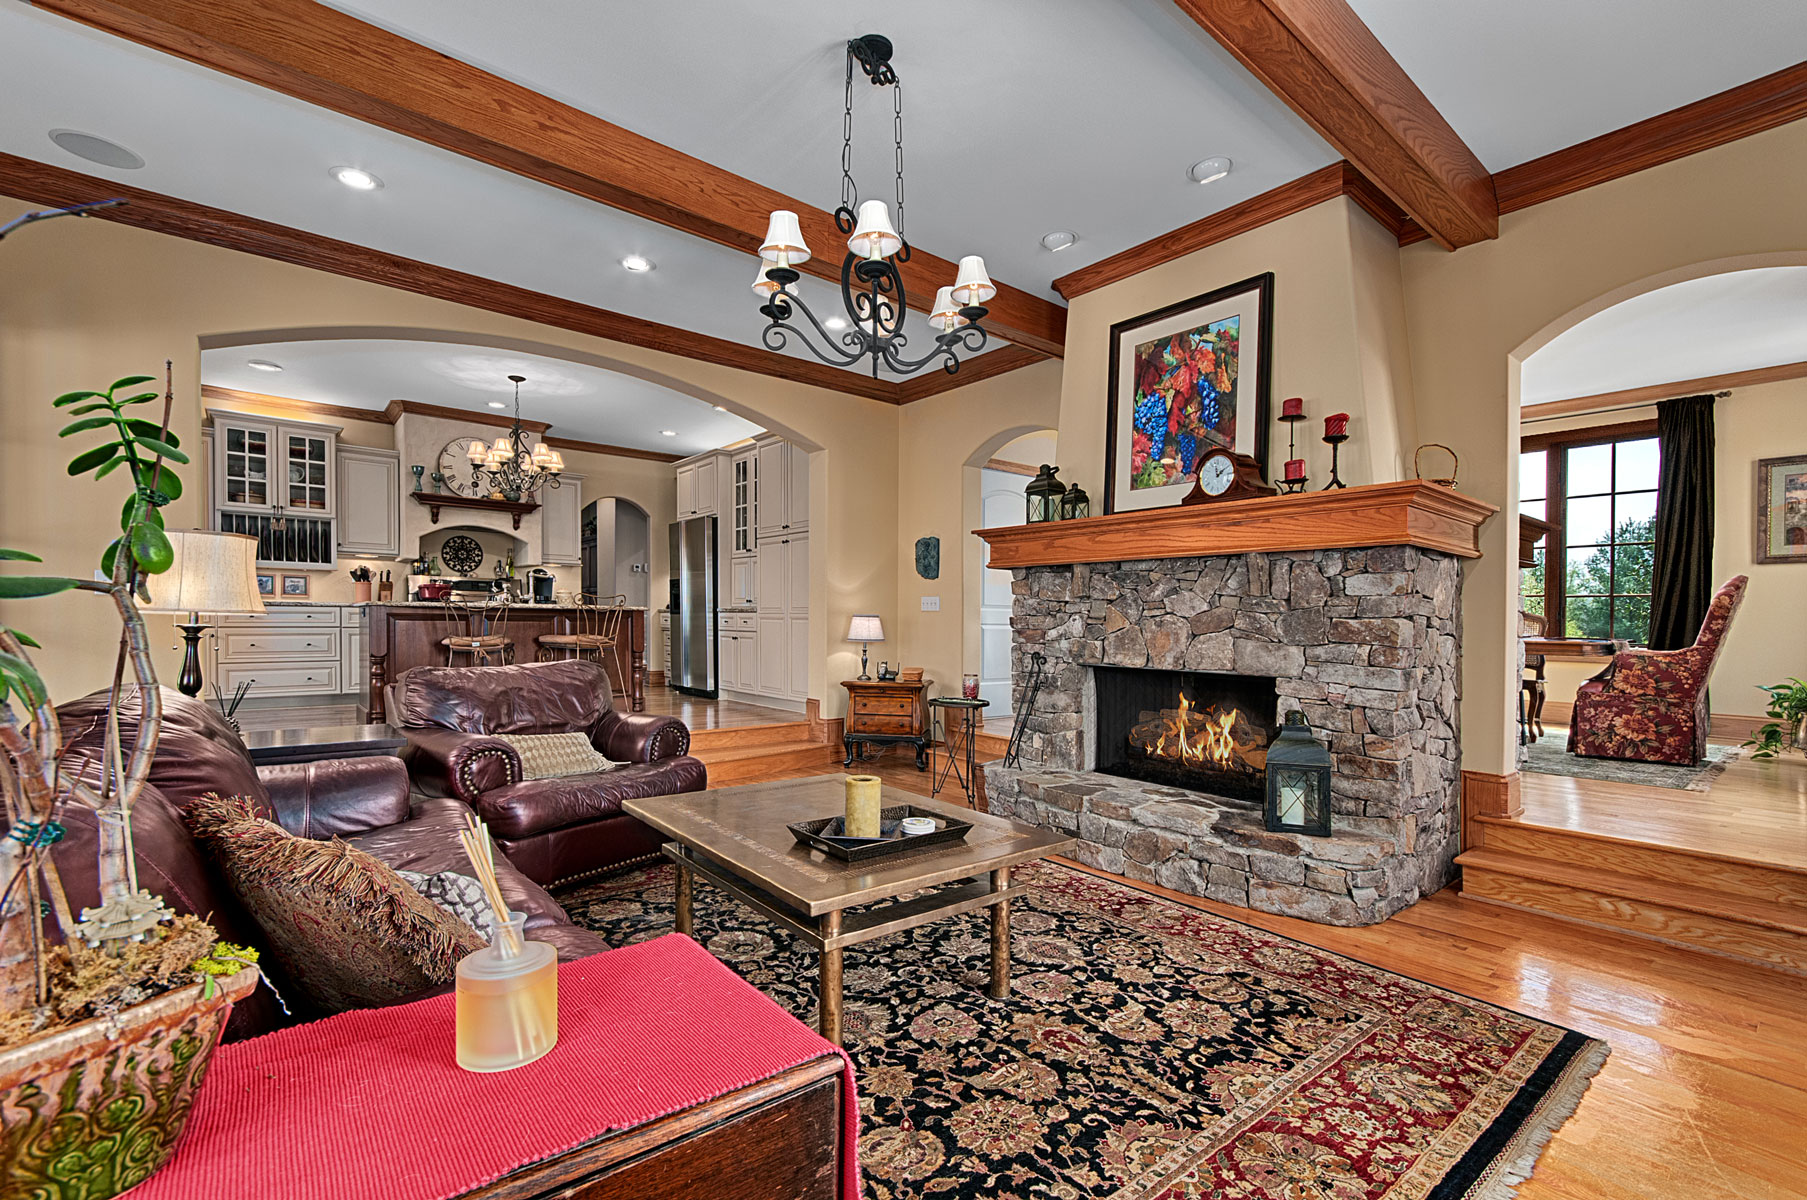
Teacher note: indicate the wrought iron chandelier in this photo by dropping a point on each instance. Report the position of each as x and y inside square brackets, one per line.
[509, 468]
[872, 288]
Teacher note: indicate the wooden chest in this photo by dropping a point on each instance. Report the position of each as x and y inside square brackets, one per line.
[885, 712]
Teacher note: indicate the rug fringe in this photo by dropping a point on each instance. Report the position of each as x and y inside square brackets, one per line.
[1516, 1163]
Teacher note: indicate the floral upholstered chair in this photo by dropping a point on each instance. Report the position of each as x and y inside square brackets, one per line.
[1651, 705]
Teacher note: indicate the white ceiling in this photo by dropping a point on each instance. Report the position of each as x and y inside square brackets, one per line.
[1703, 327]
[580, 401]
[1520, 78]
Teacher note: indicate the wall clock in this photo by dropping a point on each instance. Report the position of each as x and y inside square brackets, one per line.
[462, 553]
[1226, 475]
[455, 465]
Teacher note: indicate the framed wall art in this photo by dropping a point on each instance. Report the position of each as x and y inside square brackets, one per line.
[1184, 379]
[1782, 509]
[294, 585]
[266, 584]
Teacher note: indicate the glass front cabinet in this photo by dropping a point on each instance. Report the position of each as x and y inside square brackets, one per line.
[744, 473]
[274, 480]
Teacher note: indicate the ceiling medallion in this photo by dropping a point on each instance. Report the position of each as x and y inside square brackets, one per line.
[872, 288]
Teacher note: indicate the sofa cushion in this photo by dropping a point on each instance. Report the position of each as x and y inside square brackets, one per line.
[556, 755]
[554, 697]
[345, 927]
[539, 805]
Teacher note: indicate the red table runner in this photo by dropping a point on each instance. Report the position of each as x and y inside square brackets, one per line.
[371, 1103]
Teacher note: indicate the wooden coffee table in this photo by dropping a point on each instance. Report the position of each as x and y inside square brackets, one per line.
[736, 839]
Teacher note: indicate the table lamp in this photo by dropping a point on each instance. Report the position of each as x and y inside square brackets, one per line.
[213, 573]
[865, 629]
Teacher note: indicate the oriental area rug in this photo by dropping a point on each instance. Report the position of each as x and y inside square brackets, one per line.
[1549, 755]
[1149, 1051]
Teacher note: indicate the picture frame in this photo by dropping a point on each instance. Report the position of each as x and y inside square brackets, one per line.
[1211, 358]
[1781, 500]
[266, 584]
[294, 586]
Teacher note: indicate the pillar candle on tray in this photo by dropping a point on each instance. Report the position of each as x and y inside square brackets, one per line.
[1293, 407]
[1336, 425]
[1295, 468]
[863, 803]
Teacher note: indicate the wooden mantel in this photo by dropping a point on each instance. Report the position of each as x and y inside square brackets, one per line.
[1411, 513]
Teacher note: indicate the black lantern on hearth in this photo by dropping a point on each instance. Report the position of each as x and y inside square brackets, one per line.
[1075, 504]
[1298, 781]
[1042, 495]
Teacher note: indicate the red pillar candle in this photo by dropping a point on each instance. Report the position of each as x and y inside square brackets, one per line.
[1295, 468]
[1336, 425]
[1294, 407]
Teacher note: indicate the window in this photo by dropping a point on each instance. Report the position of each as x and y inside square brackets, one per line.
[1598, 487]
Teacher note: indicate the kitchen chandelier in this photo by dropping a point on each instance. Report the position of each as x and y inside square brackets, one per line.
[507, 467]
[872, 288]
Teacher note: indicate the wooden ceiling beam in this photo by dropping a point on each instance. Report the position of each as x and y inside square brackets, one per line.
[328, 58]
[1330, 69]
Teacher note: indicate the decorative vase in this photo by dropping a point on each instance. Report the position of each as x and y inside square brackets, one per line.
[361, 591]
[92, 1109]
[513, 496]
[863, 804]
[438, 482]
[418, 470]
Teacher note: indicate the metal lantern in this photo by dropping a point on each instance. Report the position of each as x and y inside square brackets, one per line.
[1298, 781]
[1075, 504]
[1042, 495]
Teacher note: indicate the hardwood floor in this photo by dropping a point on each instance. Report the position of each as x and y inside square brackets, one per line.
[1705, 1095]
[714, 714]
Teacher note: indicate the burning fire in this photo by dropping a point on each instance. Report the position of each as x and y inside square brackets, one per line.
[1211, 737]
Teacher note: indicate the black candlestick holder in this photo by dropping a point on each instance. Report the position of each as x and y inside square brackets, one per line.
[1334, 440]
[1291, 486]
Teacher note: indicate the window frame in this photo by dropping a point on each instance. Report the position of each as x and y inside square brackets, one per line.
[1556, 445]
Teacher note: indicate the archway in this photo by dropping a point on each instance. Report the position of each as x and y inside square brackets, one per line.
[617, 551]
[995, 475]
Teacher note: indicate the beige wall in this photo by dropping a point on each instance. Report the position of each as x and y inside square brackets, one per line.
[1768, 640]
[85, 302]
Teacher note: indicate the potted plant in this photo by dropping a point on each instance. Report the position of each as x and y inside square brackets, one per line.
[105, 1037]
[1788, 719]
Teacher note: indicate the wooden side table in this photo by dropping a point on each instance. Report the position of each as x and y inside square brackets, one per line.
[887, 712]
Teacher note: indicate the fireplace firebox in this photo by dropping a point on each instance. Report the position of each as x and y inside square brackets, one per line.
[1192, 729]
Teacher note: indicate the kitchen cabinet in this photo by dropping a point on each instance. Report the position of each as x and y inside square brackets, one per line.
[743, 490]
[743, 582]
[369, 502]
[782, 497]
[665, 641]
[561, 515]
[277, 481]
[783, 618]
[698, 481]
[738, 652]
[291, 650]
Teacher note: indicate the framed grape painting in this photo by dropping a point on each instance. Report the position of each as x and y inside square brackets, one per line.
[1186, 379]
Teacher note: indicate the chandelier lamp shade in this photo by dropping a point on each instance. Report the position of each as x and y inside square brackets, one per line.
[872, 287]
[511, 467]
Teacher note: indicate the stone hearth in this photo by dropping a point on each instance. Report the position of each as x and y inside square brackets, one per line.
[1365, 642]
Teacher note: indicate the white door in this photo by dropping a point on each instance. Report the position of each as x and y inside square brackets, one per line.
[1000, 503]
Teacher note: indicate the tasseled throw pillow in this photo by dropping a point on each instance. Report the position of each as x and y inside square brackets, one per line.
[555, 755]
[345, 927]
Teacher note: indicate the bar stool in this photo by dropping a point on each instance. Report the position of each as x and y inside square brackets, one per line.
[594, 630]
[479, 633]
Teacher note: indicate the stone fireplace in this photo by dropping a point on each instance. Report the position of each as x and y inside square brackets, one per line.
[1164, 679]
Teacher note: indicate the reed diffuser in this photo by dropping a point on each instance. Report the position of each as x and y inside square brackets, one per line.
[507, 992]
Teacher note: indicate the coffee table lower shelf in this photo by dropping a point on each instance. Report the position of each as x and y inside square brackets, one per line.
[831, 932]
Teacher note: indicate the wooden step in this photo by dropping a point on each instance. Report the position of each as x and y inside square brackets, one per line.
[777, 733]
[744, 764]
[1760, 931]
[1743, 878]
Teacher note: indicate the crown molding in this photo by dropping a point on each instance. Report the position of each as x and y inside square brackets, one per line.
[397, 408]
[312, 408]
[564, 443]
[1651, 393]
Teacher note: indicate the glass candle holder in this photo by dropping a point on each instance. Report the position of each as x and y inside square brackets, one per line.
[507, 1004]
[969, 686]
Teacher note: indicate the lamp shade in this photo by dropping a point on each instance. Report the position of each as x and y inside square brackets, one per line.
[503, 450]
[865, 627]
[945, 315]
[213, 572]
[784, 240]
[874, 236]
[762, 286]
[972, 285]
[477, 453]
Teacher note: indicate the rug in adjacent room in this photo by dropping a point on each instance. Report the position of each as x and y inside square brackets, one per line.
[1150, 1051]
[1549, 755]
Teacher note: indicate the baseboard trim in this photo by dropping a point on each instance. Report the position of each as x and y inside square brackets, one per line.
[655, 678]
[826, 730]
[1485, 794]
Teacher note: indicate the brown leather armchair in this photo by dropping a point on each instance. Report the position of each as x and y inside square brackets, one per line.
[363, 800]
[555, 830]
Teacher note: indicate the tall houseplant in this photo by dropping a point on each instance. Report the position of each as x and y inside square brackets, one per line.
[103, 1039]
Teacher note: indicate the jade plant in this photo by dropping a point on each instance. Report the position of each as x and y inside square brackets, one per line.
[1787, 705]
[129, 921]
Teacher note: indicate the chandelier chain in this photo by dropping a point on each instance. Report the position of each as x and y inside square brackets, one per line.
[849, 193]
[897, 129]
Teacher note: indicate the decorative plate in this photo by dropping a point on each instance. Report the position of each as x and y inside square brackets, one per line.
[462, 553]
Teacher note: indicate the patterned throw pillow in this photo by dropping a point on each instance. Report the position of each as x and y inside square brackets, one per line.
[344, 926]
[459, 895]
[555, 755]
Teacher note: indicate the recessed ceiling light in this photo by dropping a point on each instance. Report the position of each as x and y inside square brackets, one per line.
[263, 364]
[1060, 239]
[1209, 170]
[668, 433]
[637, 263]
[497, 404]
[96, 149]
[720, 408]
[835, 323]
[357, 179]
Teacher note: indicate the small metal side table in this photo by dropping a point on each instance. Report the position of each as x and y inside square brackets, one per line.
[959, 721]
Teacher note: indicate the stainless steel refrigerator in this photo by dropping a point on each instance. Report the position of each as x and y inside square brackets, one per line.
[692, 669]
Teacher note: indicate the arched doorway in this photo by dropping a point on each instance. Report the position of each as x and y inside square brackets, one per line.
[617, 550]
[1003, 471]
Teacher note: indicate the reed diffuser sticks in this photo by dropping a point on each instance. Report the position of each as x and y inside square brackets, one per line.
[481, 851]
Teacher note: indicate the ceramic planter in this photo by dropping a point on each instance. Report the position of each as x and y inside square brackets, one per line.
[93, 1109]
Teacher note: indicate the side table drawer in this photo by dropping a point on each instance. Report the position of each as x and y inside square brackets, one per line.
[901, 726]
[882, 706]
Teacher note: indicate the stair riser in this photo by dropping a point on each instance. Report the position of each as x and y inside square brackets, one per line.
[1748, 880]
[749, 735]
[748, 770]
[1754, 943]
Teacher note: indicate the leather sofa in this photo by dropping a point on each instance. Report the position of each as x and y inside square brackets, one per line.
[556, 831]
[365, 801]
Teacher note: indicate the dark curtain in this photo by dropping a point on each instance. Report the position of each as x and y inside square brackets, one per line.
[1681, 584]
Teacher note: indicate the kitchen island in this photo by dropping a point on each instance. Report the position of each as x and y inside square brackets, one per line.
[407, 635]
